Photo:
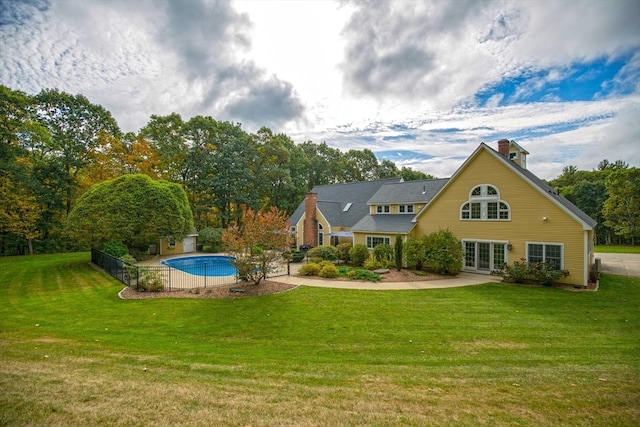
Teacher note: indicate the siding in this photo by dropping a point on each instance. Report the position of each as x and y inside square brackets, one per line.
[528, 207]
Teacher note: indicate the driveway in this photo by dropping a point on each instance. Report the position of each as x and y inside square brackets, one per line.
[620, 264]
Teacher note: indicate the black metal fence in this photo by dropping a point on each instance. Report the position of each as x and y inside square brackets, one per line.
[155, 278]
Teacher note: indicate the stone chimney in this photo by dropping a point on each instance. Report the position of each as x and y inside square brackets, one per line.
[310, 232]
[503, 147]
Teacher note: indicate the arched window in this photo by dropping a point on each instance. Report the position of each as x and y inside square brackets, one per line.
[320, 235]
[485, 204]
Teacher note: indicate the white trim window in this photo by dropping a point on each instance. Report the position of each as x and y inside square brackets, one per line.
[406, 209]
[546, 253]
[484, 256]
[383, 209]
[373, 241]
[320, 235]
[484, 204]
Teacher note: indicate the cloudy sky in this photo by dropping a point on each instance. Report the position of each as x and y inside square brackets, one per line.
[418, 82]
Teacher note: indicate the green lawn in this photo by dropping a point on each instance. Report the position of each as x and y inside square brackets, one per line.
[73, 353]
[617, 249]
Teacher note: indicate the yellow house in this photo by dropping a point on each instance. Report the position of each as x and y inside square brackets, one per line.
[499, 211]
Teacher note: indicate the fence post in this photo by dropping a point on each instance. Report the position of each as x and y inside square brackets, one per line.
[205, 274]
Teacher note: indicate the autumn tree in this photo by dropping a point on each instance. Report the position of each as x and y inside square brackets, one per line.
[132, 209]
[257, 242]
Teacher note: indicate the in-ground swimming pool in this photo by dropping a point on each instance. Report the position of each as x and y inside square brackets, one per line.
[205, 265]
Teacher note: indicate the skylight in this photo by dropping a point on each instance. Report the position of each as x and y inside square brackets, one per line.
[347, 207]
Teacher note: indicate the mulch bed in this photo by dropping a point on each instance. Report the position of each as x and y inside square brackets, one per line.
[248, 290]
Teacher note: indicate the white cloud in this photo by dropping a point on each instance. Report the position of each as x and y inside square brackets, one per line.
[390, 76]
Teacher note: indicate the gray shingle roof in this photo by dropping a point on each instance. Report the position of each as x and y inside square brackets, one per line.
[332, 200]
[407, 192]
[393, 224]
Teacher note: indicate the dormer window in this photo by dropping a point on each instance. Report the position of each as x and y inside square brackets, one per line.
[485, 204]
[406, 209]
[383, 209]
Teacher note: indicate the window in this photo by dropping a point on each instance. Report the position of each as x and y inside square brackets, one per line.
[320, 235]
[545, 253]
[408, 209]
[485, 204]
[382, 209]
[373, 241]
[347, 207]
[484, 256]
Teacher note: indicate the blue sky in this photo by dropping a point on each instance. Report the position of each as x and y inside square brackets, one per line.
[420, 83]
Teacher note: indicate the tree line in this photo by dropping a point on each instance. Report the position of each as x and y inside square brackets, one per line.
[610, 195]
[55, 146]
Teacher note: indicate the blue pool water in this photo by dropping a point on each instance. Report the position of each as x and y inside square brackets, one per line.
[206, 265]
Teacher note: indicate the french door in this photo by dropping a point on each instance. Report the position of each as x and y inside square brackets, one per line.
[484, 256]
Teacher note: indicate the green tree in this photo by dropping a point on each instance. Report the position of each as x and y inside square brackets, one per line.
[359, 165]
[623, 205]
[232, 178]
[324, 164]
[165, 135]
[398, 252]
[387, 169]
[409, 174]
[75, 125]
[133, 209]
[589, 196]
[279, 162]
[201, 136]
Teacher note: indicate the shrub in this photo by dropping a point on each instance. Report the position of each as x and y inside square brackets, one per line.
[358, 254]
[358, 274]
[343, 251]
[138, 254]
[524, 272]
[211, 238]
[443, 252]
[362, 274]
[293, 255]
[414, 251]
[150, 280]
[546, 273]
[383, 252]
[128, 259]
[373, 264]
[310, 269]
[518, 272]
[330, 253]
[328, 271]
[115, 248]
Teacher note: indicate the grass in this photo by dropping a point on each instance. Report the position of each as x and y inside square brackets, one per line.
[73, 353]
[617, 249]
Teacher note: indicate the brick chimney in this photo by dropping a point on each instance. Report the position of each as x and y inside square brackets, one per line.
[310, 232]
[503, 147]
